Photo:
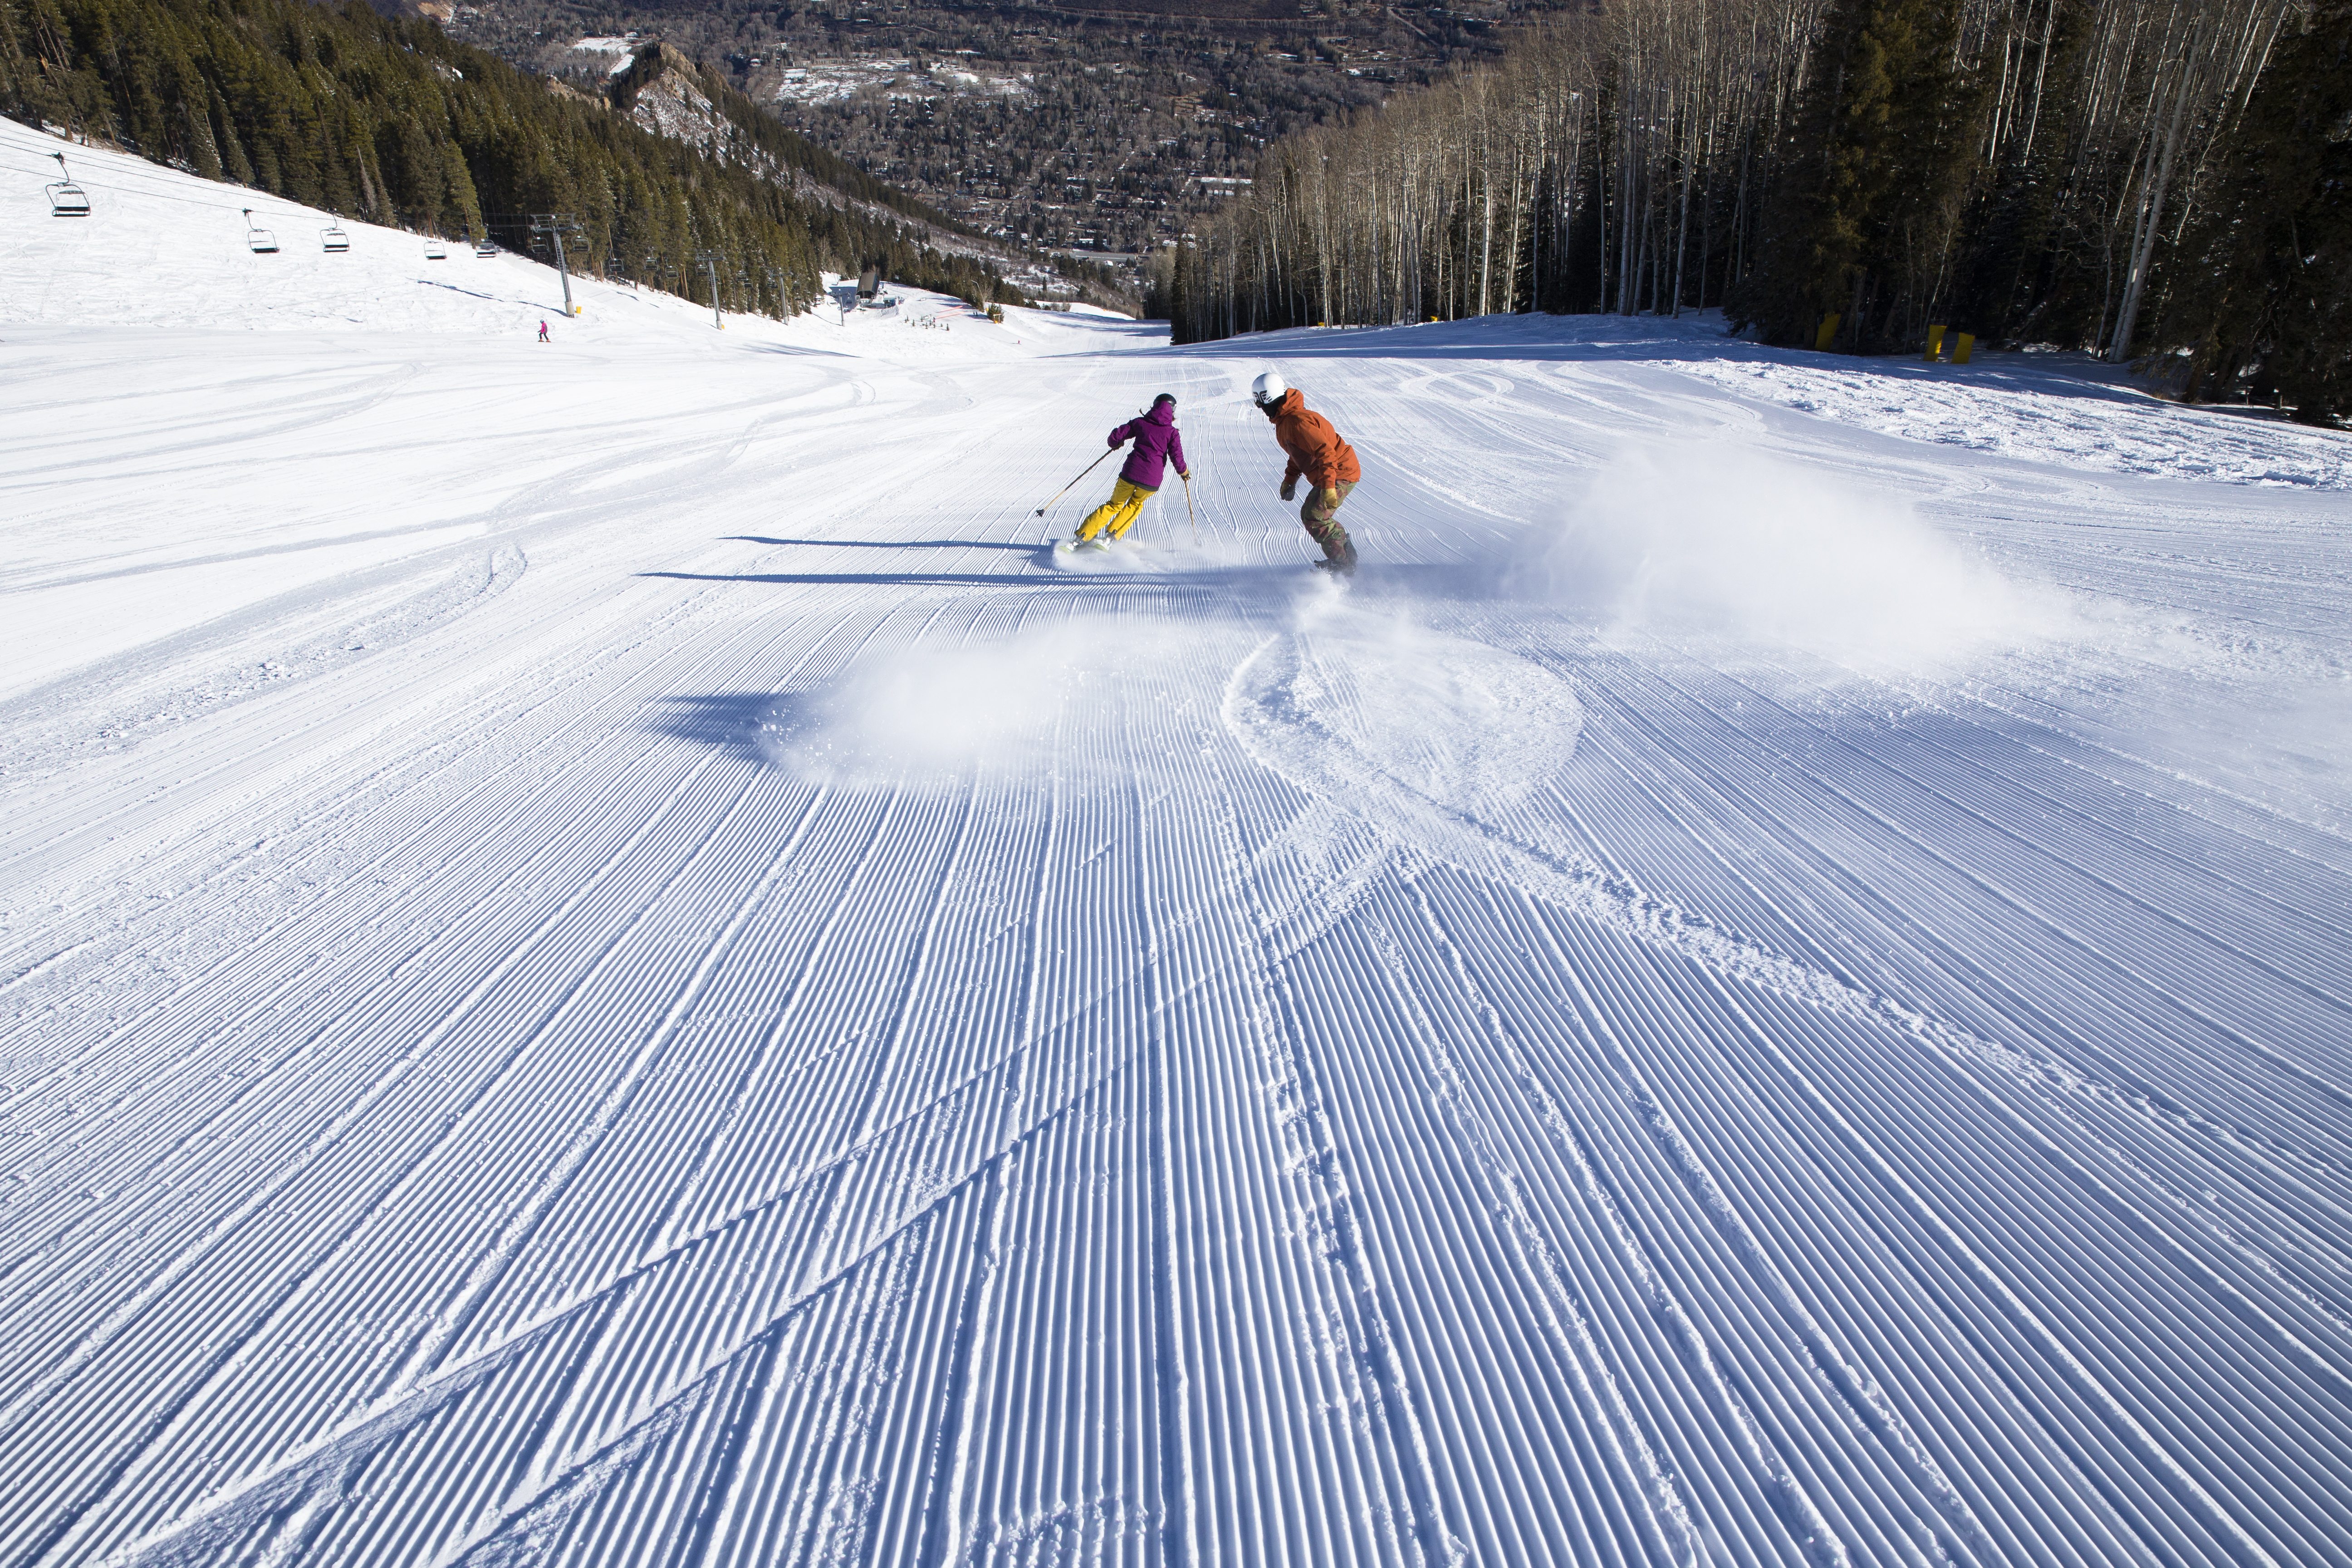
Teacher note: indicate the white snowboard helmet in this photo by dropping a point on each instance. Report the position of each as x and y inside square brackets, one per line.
[1268, 388]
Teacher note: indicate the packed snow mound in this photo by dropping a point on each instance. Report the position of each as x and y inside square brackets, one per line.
[1728, 542]
[2050, 417]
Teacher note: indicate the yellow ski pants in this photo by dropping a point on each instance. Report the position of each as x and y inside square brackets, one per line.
[1117, 515]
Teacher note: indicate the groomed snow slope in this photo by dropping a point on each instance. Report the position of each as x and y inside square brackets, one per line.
[605, 962]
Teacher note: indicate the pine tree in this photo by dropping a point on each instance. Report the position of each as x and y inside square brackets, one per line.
[1184, 301]
[2018, 279]
[2272, 308]
[1873, 170]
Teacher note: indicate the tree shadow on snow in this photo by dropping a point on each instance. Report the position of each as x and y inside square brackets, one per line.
[469, 293]
[1613, 340]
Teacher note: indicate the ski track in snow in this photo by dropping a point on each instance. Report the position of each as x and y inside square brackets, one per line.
[608, 962]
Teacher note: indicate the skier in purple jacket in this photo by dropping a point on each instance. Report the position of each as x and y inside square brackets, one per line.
[1156, 440]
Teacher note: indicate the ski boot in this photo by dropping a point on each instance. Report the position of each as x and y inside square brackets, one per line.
[1343, 564]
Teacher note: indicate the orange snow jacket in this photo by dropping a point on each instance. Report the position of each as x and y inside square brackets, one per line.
[1315, 448]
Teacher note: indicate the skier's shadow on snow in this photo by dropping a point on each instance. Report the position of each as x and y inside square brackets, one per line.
[1412, 580]
[907, 579]
[885, 543]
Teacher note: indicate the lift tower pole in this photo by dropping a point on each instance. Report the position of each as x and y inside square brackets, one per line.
[557, 227]
[710, 259]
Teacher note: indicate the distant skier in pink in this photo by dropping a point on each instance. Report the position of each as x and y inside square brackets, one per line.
[542, 331]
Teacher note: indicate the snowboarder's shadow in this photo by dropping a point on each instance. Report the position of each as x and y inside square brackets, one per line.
[743, 721]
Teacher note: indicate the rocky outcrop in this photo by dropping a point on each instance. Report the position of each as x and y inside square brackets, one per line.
[660, 87]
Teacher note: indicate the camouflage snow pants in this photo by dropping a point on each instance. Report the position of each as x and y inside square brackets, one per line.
[1323, 524]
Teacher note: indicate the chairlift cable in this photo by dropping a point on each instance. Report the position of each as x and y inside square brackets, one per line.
[125, 177]
[162, 197]
[158, 196]
[168, 196]
[167, 179]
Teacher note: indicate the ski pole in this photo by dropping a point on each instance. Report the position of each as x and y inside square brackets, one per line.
[1189, 511]
[1066, 489]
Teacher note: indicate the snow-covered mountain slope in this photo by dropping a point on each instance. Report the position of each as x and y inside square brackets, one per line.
[605, 962]
[160, 249]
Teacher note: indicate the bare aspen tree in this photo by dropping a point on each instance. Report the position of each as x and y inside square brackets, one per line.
[1627, 159]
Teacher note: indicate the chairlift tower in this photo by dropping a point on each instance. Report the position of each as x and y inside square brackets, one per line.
[710, 259]
[784, 300]
[557, 227]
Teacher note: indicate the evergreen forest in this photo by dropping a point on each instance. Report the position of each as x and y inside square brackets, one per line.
[389, 121]
[2165, 183]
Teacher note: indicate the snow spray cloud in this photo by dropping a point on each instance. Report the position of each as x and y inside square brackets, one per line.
[1720, 541]
[927, 716]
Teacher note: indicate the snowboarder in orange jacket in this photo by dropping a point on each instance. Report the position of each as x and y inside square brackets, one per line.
[1318, 454]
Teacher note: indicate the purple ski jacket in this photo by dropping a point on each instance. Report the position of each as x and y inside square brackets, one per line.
[1157, 439]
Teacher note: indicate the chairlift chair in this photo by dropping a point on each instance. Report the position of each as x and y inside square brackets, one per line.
[66, 198]
[260, 241]
[435, 251]
[332, 237]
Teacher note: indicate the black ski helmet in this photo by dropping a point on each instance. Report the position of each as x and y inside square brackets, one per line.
[1166, 397]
